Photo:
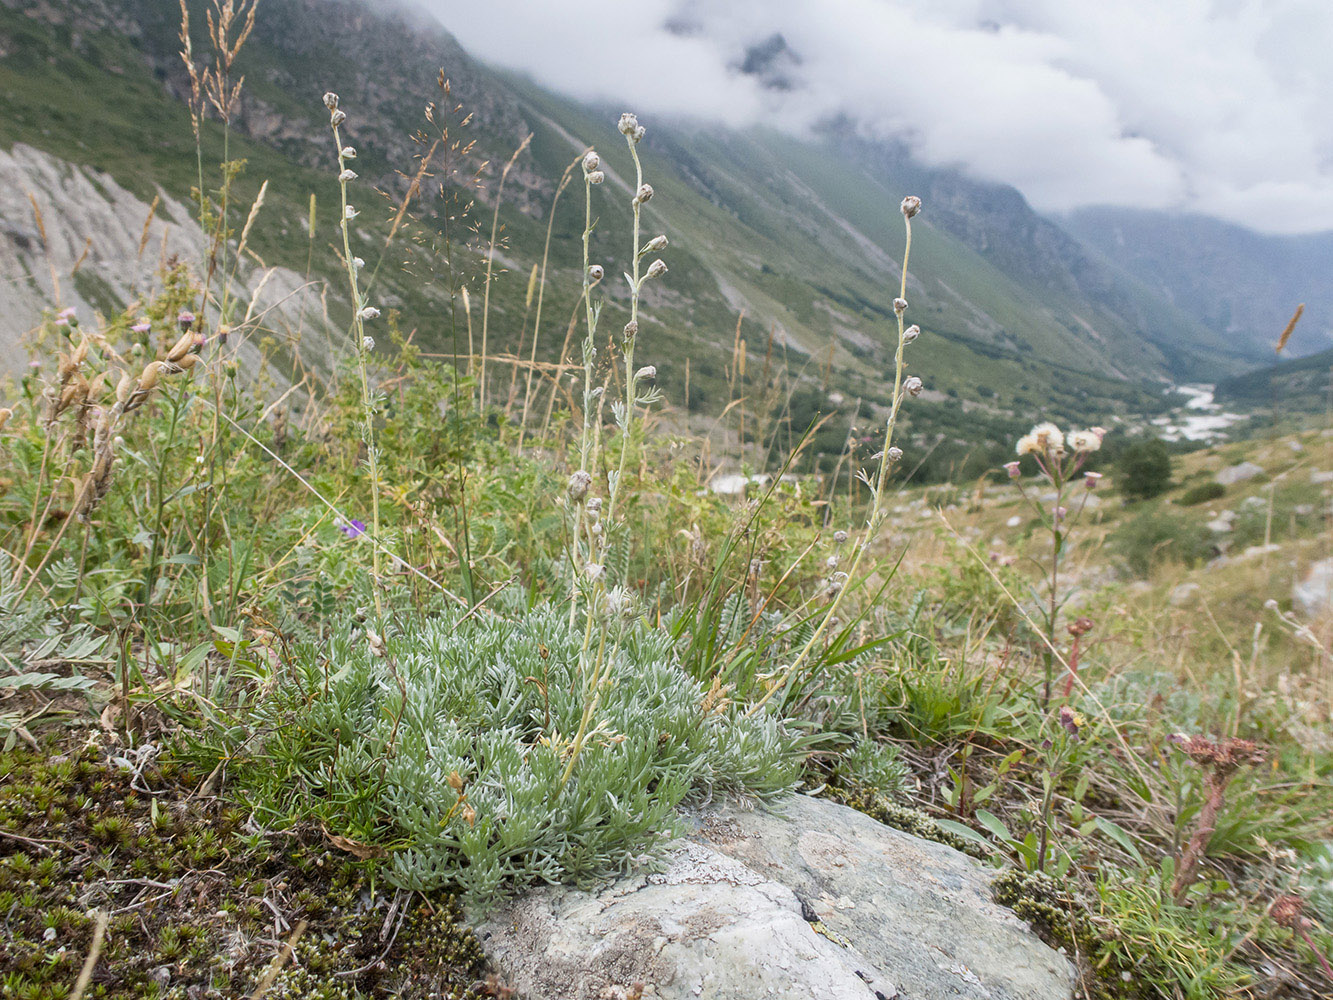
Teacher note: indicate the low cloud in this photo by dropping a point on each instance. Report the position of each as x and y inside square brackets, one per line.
[1214, 106]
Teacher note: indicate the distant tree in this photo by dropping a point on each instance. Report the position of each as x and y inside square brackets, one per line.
[1144, 470]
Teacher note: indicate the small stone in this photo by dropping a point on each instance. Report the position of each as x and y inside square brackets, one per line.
[1238, 473]
[1183, 594]
[1312, 595]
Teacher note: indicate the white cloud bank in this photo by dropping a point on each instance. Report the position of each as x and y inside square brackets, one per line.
[1214, 106]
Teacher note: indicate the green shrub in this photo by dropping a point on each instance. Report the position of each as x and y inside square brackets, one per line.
[447, 752]
[1144, 470]
[1202, 493]
[1154, 536]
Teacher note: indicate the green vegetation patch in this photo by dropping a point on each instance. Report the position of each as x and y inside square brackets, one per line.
[447, 751]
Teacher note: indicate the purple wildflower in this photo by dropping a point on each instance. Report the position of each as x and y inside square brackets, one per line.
[141, 327]
[185, 319]
[353, 528]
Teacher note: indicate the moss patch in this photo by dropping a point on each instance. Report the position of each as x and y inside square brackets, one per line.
[200, 902]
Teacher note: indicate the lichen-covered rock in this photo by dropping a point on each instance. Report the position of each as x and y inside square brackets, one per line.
[807, 899]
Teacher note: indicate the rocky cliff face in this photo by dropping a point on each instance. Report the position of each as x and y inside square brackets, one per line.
[74, 237]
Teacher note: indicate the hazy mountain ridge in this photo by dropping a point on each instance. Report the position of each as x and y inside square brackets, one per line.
[1242, 284]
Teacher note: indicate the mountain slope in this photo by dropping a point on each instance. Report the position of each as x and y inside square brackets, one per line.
[1241, 284]
[802, 238]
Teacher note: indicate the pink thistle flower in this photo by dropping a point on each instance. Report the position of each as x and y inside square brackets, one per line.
[1091, 479]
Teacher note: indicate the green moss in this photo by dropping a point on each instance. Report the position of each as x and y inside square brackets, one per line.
[194, 899]
[900, 817]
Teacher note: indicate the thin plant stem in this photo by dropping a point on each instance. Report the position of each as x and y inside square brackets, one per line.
[877, 505]
[362, 358]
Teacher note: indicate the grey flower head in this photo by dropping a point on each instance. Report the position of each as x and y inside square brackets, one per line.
[644, 193]
[657, 268]
[596, 177]
[591, 162]
[911, 333]
[895, 454]
[900, 306]
[629, 124]
[840, 537]
[913, 386]
[631, 329]
[369, 312]
[331, 101]
[656, 245]
[595, 273]
[338, 117]
[911, 205]
[647, 372]
[578, 484]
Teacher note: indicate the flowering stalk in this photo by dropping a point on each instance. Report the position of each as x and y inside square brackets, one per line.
[361, 312]
[633, 132]
[888, 456]
[1058, 465]
[1220, 761]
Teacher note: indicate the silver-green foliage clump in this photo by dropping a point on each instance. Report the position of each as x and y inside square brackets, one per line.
[448, 750]
[874, 767]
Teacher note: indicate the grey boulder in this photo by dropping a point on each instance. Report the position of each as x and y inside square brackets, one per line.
[1238, 473]
[807, 899]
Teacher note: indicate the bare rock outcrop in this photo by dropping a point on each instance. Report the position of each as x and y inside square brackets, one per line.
[807, 899]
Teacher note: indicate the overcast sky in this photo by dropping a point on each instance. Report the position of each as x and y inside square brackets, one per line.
[1216, 106]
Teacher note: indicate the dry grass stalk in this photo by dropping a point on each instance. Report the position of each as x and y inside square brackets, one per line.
[490, 264]
[1291, 325]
